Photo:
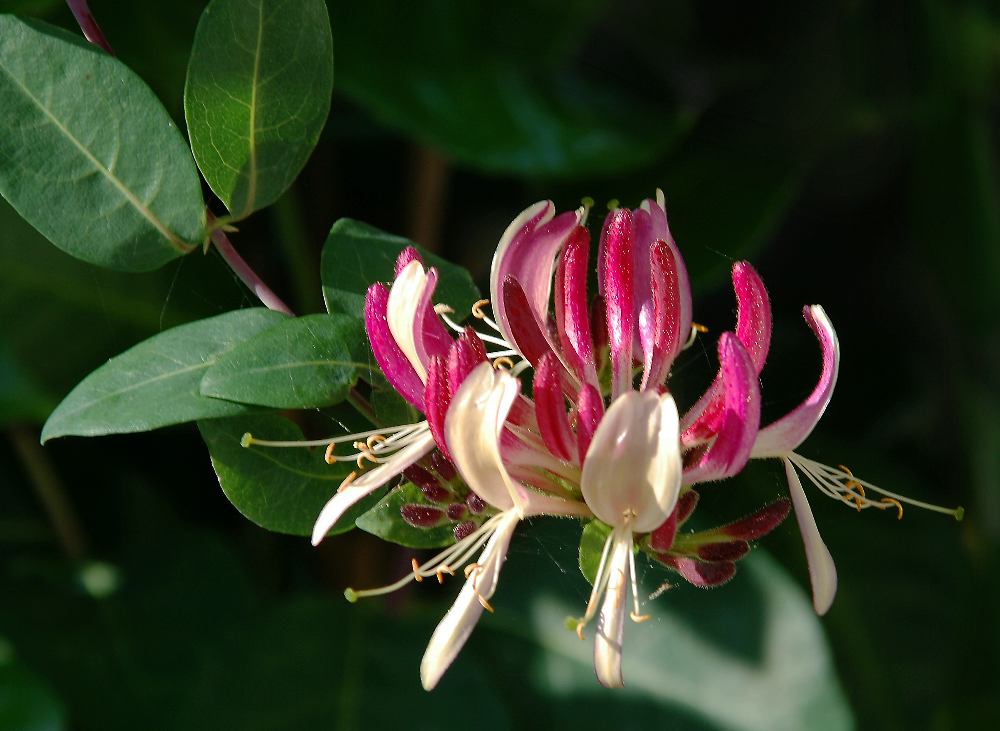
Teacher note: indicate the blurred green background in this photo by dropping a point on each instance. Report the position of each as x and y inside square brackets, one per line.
[848, 149]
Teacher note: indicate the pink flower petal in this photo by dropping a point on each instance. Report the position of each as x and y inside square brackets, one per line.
[550, 409]
[527, 251]
[466, 353]
[572, 315]
[788, 432]
[437, 398]
[525, 329]
[753, 329]
[589, 410]
[671, 311]
[616, 268]
[753, 313]
[431, 337]
[740, 416]
[394, 364]
[405, 257]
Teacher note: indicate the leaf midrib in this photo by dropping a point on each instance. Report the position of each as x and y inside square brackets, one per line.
[252, 184]
[137, 204]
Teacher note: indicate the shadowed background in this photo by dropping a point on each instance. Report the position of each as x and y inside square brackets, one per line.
[848, 149]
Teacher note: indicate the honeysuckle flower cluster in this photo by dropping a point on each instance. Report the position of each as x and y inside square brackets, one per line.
[560, 405]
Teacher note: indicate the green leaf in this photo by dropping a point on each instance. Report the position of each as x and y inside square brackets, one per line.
[281, 489]
[513, 103]
[592, 541]
[357, 255]
[257, 96]
[156, 383]
[89, 156]
[385, 521]
[26, 703]
[299, 363]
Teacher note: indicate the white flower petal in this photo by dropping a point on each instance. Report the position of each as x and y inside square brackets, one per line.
[611, 621]
[401, 312]
[369, 483]
[472, 427]
[822, 571]
[458, 623]
[633, 465]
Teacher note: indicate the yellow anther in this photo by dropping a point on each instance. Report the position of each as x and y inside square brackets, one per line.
[639, 617]
[699, 327]
[503, 363]
[470, 568]
[373, 440]
[579, 629]
[347, 481]
[328, 454]
[445, 569]
[477, 309]
[486, 604]
[887, 501]
[416, 570]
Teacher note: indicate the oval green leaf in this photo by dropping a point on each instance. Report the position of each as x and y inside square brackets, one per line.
[89, 156]
[297, 364]
[157, 382]
[357, 255]
[593, 538]
[257, 96]
[281, 489]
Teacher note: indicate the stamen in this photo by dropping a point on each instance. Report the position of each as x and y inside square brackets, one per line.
[503, 364]
[347, 481]
[477, 309]
[697, 326]
[635, 615]
[454, 555]
[443, 311]
[520, 368]
[892, 501]
[328, 454]
[601, 579]
[397, 432]
[841, 484]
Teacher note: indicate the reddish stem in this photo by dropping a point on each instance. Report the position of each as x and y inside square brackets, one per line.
[88, 24]
[247, 275]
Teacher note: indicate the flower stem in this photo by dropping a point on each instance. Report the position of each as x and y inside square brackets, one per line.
[50, 490]
[88, 24]
[246, 274]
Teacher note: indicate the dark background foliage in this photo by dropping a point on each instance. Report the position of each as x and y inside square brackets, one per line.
[847, 148]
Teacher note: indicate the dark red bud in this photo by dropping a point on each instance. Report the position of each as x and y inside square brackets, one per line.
[443, 466]
[428, 484]
[703, 574]
[422, 516]
[686, 504]
[729, 551]
[476, 504]
[456, 511]
[759, 524]
[463, 530]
